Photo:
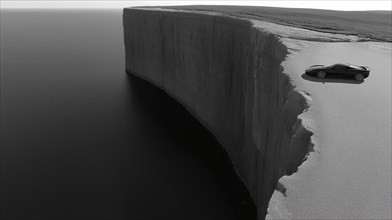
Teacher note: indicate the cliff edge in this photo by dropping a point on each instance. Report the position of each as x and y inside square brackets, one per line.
[227, 73]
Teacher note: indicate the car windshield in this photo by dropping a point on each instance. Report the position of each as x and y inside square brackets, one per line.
[330, 65]
[355, 67]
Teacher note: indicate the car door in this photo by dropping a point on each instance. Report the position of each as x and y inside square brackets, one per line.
[351, 71]
[337, 70]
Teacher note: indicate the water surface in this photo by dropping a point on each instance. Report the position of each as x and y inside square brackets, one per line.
[80, 139]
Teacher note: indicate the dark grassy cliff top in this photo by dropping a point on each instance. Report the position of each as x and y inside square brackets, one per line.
[367, 25]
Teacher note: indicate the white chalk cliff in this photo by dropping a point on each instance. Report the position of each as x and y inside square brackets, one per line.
[227, 72]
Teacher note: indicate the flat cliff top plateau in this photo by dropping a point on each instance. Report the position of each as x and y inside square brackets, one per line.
[367, 25]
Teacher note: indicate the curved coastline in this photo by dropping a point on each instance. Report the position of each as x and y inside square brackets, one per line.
[227, 72]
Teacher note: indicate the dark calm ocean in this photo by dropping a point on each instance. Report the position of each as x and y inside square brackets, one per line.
[81, 139]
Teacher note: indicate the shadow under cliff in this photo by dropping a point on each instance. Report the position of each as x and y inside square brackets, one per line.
[161, 108]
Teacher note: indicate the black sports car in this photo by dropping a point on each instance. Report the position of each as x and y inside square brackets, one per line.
[339, 70]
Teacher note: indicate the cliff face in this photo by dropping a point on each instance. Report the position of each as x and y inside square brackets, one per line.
[227, 73]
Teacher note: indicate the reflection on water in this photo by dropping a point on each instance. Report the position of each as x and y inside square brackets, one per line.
[82, 140]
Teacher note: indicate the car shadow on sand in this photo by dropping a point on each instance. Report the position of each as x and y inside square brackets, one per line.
[330, 79]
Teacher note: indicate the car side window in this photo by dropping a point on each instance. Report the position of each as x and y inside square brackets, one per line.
[339, 67]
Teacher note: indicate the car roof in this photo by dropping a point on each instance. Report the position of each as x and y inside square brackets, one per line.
[347, 65]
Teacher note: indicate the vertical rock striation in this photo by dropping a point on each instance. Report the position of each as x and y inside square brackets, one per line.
[227, 73]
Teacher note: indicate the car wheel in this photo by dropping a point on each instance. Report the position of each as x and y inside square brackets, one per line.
[321, 74]
[359, 77]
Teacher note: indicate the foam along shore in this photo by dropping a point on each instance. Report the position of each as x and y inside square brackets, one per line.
[349, 174]
[227, 72]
